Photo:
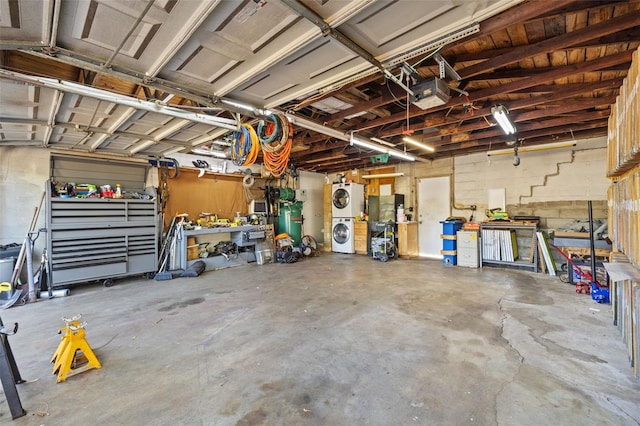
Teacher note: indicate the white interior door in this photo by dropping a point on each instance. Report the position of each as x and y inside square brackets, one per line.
[433, 207]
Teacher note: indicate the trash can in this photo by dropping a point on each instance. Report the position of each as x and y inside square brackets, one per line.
[8, 255]
[6, 268]
[10, 250]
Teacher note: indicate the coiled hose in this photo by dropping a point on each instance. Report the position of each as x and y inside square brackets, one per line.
[245, 147]
[276, 152]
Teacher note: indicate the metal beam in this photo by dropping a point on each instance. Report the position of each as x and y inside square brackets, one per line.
[91, 92]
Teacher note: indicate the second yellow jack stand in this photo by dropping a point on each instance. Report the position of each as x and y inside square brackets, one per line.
[73, 350]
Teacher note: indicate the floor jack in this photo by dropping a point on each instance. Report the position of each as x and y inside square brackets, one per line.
[73, 355]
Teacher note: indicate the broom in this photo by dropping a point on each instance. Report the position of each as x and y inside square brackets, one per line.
[169, 250]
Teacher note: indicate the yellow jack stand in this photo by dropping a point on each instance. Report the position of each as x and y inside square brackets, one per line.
[73, 350]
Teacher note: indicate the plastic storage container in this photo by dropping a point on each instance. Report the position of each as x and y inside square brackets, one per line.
[450, 227]
[449, 243]
[264, 253]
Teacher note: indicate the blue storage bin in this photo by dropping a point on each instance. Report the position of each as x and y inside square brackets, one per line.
[599, 294]
[450, 227]
[450, 260]
[449, 244]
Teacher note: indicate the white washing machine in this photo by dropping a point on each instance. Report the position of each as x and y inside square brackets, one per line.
[342, 235]
[347, 199]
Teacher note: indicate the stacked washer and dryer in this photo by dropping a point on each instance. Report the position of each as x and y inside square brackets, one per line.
[347, 202]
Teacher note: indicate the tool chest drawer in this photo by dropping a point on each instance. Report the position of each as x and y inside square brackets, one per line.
[100, 238]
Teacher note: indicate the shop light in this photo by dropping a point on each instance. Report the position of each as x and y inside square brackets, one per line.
[354, 141]
[383, 142]
[316, 127]
[500, 113]
[401, 155]
[383, 175]
[417, 144]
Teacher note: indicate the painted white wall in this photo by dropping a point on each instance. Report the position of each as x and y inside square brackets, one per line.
[23, 173]
[312, 208]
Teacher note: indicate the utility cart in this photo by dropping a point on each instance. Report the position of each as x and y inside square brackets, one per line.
[383, 241]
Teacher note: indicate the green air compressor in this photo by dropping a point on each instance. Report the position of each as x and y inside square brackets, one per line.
[290, 220]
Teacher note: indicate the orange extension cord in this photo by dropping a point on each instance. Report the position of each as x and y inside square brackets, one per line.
[276, 154]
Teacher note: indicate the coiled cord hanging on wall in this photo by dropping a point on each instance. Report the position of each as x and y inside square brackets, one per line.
[245, 147]
[276, 153]
[247, 184]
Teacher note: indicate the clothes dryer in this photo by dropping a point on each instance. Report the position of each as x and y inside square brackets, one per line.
[342, 235]
[347, 199]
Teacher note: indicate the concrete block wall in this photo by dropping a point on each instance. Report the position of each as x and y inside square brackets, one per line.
[555, 214]
[552, 184]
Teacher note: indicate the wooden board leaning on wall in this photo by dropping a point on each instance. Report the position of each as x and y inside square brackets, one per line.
[623, 142]
[624, 205]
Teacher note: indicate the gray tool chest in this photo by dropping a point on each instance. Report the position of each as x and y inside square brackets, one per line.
[100, 239]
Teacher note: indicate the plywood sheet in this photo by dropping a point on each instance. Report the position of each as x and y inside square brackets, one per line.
[211, 193]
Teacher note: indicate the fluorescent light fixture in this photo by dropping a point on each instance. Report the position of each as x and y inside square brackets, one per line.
[368, 145]
[418, 144]
[401, 155]
[316, 127]
[383, 142]
[383, 175]
[533, 148]
[353, 140]
[500, 113]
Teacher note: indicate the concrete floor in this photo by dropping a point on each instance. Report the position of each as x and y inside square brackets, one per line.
[332, 340]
